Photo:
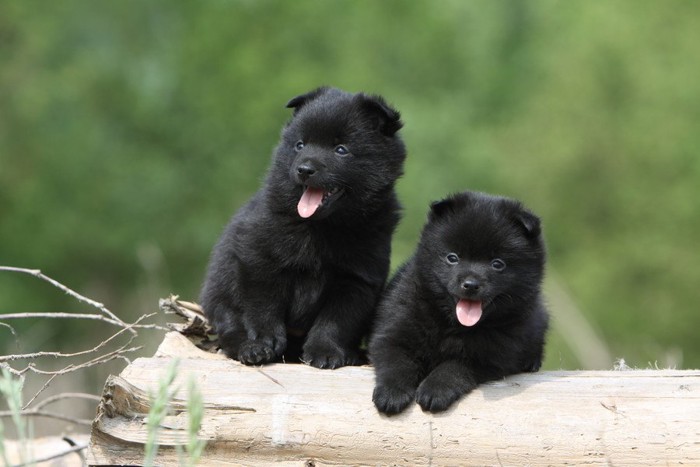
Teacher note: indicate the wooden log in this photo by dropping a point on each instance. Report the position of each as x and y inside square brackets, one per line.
[300, 416]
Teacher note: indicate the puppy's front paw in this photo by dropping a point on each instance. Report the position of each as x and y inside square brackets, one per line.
[434, 395]
[255, 352]
[328, 355]
[391, 399]
[534, 366]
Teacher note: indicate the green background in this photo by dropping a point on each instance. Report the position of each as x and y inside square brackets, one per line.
[130, 131]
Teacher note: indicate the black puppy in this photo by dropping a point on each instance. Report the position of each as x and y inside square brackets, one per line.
[465, 309]
[309, 253]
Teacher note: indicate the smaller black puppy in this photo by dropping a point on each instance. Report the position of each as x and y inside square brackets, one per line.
[299, 269]
[465, 309]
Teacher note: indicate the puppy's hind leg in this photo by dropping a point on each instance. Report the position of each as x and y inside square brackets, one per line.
[334, 338]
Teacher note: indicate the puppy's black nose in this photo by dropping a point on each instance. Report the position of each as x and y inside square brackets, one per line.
[305, 171]
[471, 285]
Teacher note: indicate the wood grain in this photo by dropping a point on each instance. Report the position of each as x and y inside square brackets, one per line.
[298, 415]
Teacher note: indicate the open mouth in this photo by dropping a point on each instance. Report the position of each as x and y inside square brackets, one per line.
[469, 312]
[314, 197]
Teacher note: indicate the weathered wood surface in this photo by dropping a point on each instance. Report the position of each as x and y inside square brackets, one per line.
[298, 415]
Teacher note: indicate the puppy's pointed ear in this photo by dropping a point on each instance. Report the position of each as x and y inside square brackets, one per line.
[529, 222]
[450, 204]
[298, 102]
[440, 208]
[389, 119]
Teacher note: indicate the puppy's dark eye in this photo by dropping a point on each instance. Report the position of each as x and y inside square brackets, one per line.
[498, 264]
[341, 150]
[452, 258]
[299, 145]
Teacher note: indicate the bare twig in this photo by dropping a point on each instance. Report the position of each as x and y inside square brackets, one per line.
[78, 316]
[13, 331]
[57, 397]
[37, 273]
[66, 395]
[42, 413]
[117, 354]
[35, 355]
[80, 447]
[196, 322]
[46, 385]
[74, 448]
[82, 359]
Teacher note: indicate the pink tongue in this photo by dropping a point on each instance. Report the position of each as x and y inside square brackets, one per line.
[310, 201]
[468, 312]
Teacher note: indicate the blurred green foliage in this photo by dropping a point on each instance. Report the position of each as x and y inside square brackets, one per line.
[130, 131]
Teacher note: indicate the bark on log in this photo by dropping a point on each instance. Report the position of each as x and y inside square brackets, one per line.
[301, 416]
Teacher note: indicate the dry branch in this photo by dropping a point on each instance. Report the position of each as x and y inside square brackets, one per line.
[37, 411]
[68, 448]
[196, 326]
[43, 413]
[37, 273]
[299, 415]
[42, 366]
[58, 315]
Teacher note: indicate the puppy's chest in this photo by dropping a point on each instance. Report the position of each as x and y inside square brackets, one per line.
[307, 249]
[307, 294]
[472, 344]
[311, 264]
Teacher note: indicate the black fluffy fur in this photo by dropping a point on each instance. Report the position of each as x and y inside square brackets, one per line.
[279, 285]
[419, 349]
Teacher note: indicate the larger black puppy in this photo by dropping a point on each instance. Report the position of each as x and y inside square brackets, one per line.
[465, 309]
[309, 253]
